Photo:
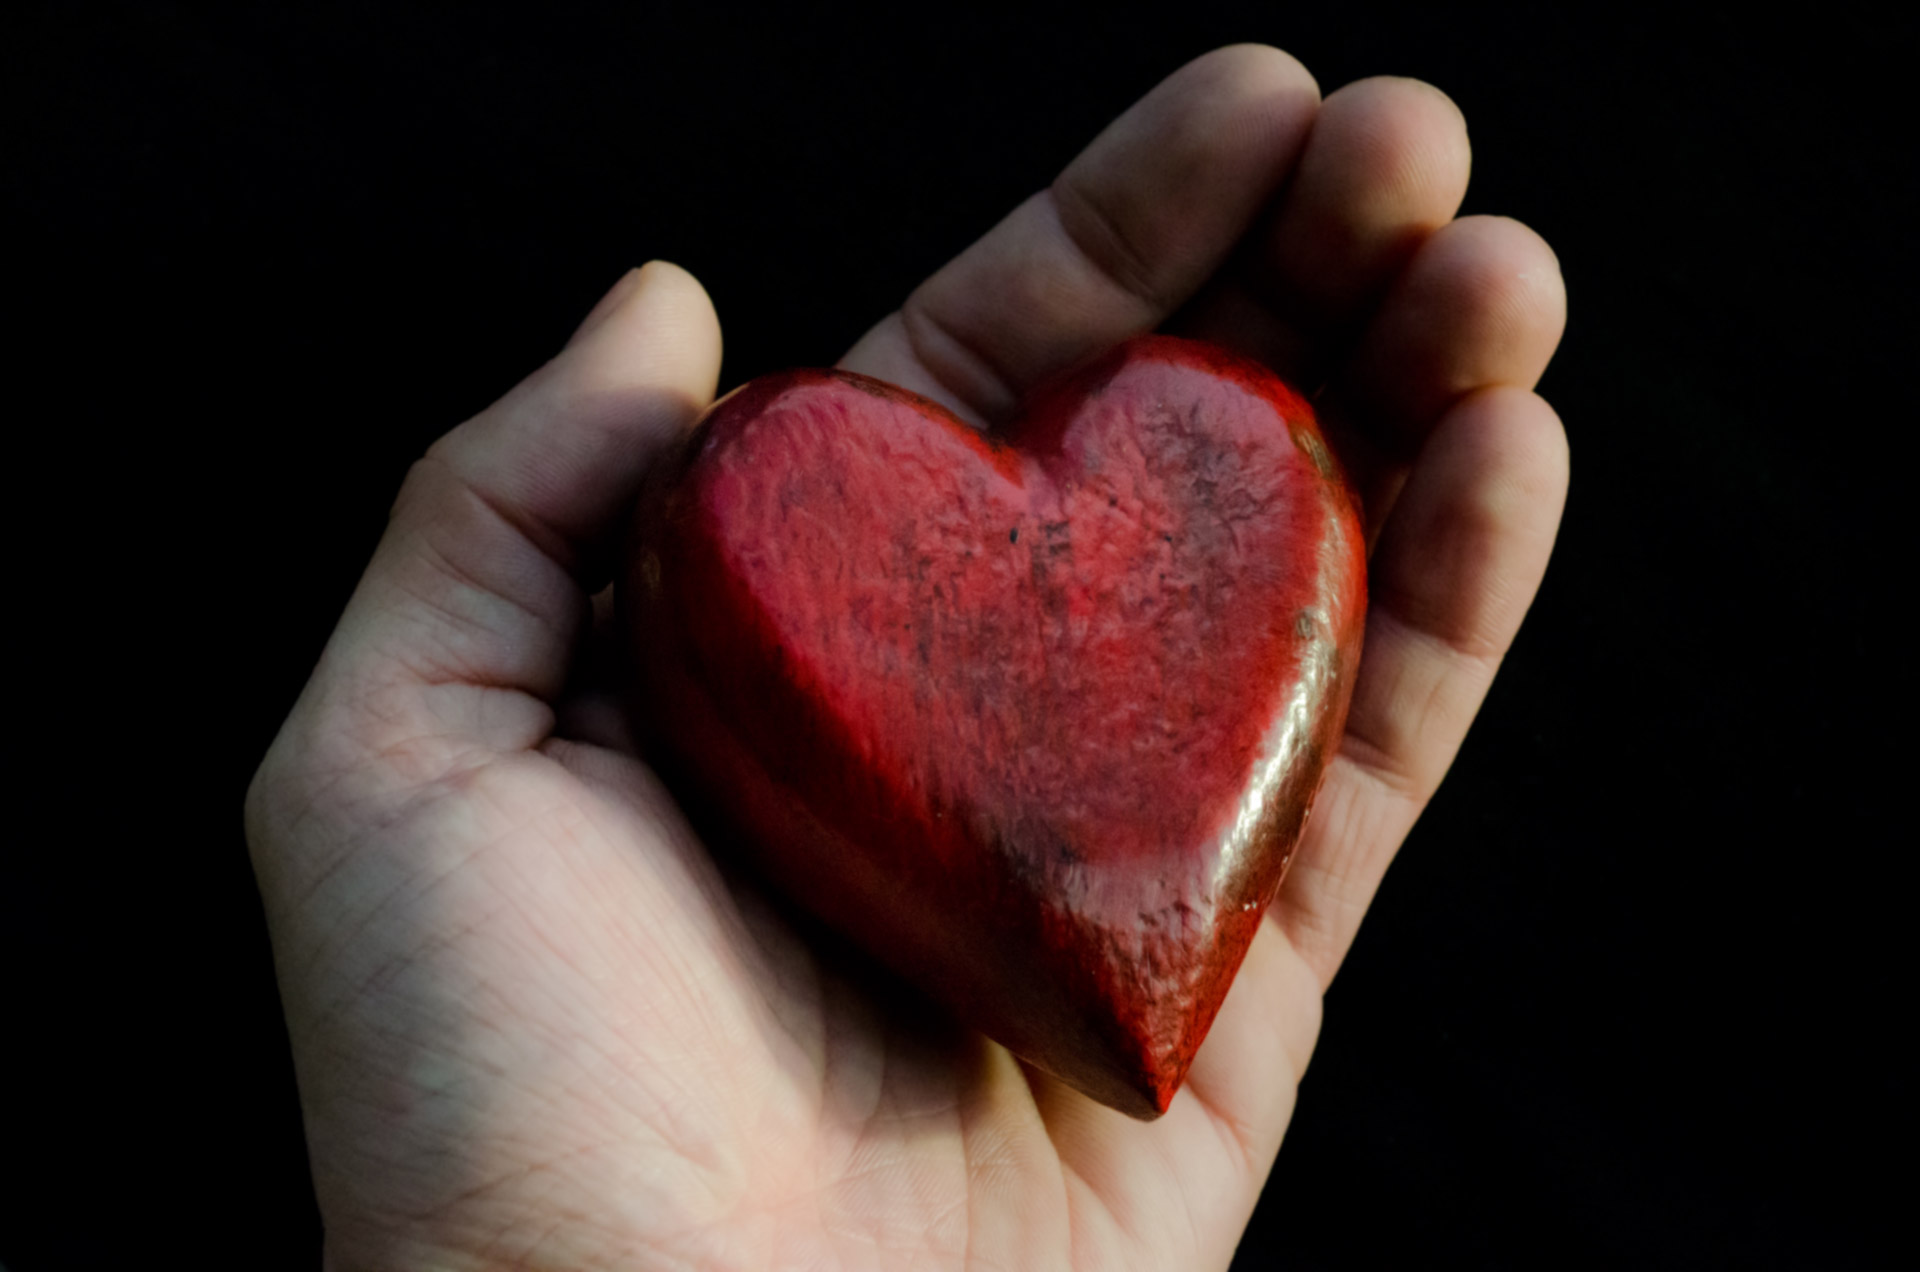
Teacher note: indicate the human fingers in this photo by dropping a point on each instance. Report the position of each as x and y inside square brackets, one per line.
[1121, 239]
[466, 620]
[1385, 166]
[507, 522]
[1452, 576]
[1480, 304]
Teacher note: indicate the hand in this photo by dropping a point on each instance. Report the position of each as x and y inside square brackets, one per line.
[535, 1026]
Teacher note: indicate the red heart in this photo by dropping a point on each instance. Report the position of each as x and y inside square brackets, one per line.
[1035, 718]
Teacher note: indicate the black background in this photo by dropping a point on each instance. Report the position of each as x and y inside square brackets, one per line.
[1630, 997]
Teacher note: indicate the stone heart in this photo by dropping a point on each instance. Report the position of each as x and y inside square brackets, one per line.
[1034, 717]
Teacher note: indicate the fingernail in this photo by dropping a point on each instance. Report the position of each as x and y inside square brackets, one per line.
[609, 304]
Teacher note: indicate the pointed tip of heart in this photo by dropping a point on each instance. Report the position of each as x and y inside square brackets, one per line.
[1156, 1094]
[1117, 1040]
[1145, 1095]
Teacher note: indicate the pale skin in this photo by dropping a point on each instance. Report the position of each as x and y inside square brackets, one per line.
[536, 1026]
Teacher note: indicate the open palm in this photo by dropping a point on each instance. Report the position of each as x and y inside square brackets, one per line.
[536, 1026]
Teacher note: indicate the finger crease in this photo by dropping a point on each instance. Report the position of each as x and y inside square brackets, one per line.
[956, 364]
[1413, 615]
[548, 541]
[1378, 764]
[1236, 1136]
[460, 574]
[1096, 235]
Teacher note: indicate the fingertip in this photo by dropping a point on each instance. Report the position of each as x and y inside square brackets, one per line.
[1163, 194]
[1411, 117]
[606, 306]
[1547, 433]
[1505, 446]
[1389, 159]
[1512, 277]
[1469, 539]
[560, 456]
[1250, 69]
[666, 279]
[656, 321]
[1481, 304]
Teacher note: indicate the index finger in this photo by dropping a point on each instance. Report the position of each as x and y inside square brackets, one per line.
[1125, 235]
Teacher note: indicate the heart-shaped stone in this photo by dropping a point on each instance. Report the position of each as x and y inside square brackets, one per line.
[1035, 717]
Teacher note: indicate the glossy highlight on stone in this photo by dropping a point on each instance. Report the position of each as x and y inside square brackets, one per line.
[1035, 717]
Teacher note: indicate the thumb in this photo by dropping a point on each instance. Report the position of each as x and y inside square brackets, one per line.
[508, 523]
